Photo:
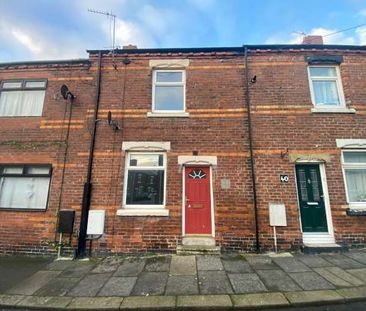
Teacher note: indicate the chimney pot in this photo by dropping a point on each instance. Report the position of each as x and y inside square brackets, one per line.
[312, 40]
[130, 47]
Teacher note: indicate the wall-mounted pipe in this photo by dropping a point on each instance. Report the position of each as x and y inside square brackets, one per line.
[81, 250]
[250, 141]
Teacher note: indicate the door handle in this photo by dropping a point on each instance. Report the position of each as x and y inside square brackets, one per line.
[312, 203]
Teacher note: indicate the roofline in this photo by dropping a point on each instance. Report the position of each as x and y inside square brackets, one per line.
[238, 49]
[47, 62]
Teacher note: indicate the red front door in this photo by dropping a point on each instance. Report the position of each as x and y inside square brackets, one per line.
[197, 200]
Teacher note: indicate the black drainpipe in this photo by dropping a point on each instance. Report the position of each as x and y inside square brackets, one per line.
[250, 140]
[81, 250]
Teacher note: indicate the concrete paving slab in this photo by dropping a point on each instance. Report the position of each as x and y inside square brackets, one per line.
[150, 283]
[149, 302]
[246, 283]
[330, 277]
[346, 276]
[96, 303]
[182, 285]
[291, 264]
[90, 285]
[118, 286]
[214, 282]
[358, 256]
[313, 297]
[158, 264]
[359, 273]
[209, 262]
[33, 283]
[259, 300]
[57, 287]
[204, 301]
[44, 302]
[277, 280]
[60, 265]
[183, 265]
[311, 281]
[108, 265]
[78, 270]
[313, 261]
[15, 269]
[236, 266]
[342, 261]
[260, 262]
[10, 300]
[130, 267]
[353, 293]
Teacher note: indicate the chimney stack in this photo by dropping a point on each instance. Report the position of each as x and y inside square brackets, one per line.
[130, 47]
[312, 40]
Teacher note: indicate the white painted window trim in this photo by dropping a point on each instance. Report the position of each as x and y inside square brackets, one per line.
[197, 160]
[351, 143]
[355, 166]
[341, 108]
[154, 84]
[168, 63]
[143, 210]
[146, 146]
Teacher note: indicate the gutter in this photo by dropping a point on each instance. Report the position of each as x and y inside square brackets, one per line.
[81, 250]
[250, 141]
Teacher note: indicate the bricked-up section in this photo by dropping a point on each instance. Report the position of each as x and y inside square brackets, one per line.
[41, 140]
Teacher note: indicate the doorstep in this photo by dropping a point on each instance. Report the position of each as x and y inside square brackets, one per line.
[323, 248]
[198, 245]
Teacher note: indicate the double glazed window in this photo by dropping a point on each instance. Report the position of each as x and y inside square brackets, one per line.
[326, 86]
[24, 186]
[145, 180]
[22, 98]
[354, 167]
[168, 91]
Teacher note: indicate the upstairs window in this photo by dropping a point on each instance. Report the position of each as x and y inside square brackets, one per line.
[22, 98]
[24, 186]
[326, 87]
[354, 167]
[168, 91]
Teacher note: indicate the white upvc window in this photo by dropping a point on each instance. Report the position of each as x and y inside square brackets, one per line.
[145, 180]
[24, 186]
[168, 92]
[326, 87]
[22, 98]
[354, 172]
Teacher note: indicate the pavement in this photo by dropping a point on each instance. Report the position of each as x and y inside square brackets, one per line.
[193, 282]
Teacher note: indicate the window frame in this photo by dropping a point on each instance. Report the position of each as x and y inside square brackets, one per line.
[24, 88]
[155, 83]
[337, 79]
[354, 166]
[24, 174]
[128, 167]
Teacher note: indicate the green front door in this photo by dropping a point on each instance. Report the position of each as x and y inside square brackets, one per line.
[311, 198]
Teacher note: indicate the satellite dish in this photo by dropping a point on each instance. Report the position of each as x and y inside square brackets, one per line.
[109, 117]
[66, 93]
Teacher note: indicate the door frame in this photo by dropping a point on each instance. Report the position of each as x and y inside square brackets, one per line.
[317, 237]
[184, 198]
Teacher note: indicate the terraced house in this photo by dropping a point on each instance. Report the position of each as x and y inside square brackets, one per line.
[186, 148]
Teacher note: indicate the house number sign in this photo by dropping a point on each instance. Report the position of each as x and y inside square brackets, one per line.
[284, 178]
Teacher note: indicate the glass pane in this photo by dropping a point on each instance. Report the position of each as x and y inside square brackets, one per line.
[35, 84]
[326, 93]
[21, 103]
[323, 72]
[13, 170]
[38, 170]
[169, 98]
[146, 160]
[145, 187]
[169, 76]
[354, 157]
[356, 185]
[12, 85]
[22, 192]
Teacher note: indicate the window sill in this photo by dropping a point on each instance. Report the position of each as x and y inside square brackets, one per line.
[161, 212]
[356, 211]
[333, 110]
[168, 114]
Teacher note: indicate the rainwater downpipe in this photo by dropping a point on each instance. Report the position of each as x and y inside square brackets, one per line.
[250, 141]
[81, 250]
